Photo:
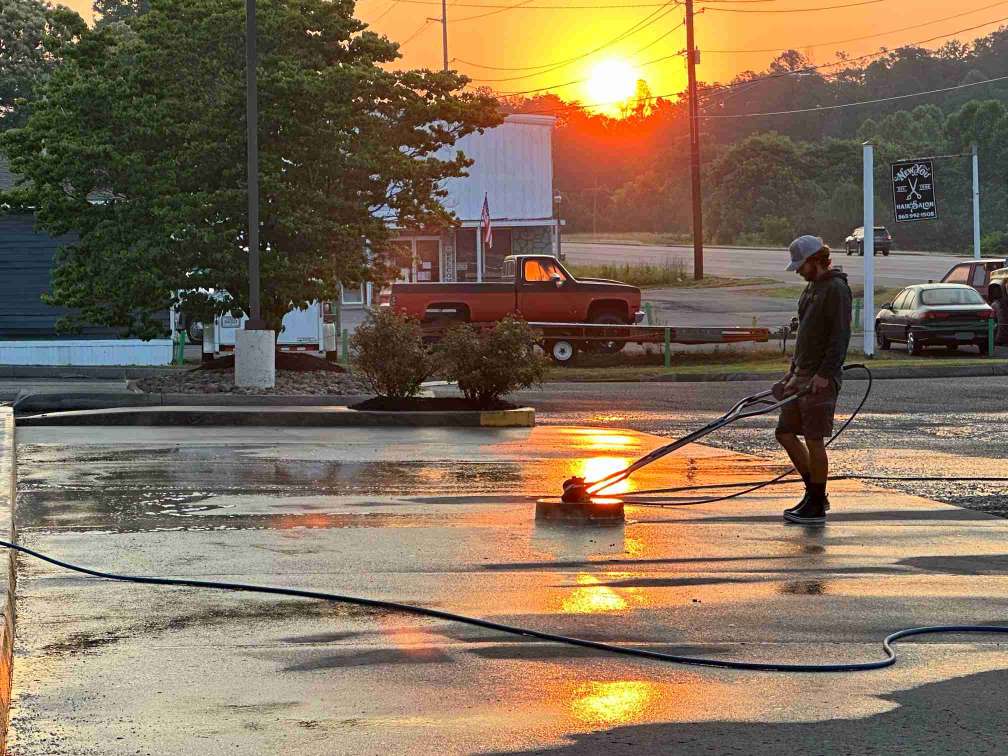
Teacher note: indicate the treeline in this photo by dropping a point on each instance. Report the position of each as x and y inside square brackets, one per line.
[767, 178]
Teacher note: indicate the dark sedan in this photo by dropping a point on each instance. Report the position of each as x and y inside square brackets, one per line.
[949, 315]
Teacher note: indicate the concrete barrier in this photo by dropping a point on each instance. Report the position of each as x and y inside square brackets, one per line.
[8, 573]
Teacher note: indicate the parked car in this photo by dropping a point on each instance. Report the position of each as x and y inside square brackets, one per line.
[855, 242]
[975, 273]
[950, 315]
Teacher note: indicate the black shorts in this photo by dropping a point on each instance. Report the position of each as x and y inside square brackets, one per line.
[810, 416]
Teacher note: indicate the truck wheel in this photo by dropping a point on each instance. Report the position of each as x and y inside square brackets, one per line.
[561, 352]
[607, 347]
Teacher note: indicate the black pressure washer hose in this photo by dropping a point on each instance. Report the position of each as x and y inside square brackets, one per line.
[643, 653]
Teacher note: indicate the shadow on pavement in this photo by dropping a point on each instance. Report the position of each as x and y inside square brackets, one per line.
[954, 716]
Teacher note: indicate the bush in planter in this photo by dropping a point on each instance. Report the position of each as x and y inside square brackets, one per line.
[390, 354]
[491, 364]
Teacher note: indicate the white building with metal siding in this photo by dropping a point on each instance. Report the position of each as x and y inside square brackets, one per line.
[513, 169]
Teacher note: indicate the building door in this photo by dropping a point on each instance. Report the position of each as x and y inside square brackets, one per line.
[418, 259]
[427, 260]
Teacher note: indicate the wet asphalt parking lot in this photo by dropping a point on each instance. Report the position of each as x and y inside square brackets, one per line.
[444, 518]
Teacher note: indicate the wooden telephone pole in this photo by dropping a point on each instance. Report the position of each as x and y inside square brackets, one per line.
[694, 119]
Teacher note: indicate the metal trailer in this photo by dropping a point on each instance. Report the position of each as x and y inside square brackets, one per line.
[562, 341]
[302, 331]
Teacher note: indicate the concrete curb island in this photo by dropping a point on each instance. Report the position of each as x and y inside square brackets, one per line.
[285, 416]
[98, 400]
[8, 575]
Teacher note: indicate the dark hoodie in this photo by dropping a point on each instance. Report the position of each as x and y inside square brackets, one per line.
[824, 328]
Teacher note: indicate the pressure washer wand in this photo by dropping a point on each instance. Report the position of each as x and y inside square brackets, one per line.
[750, 406]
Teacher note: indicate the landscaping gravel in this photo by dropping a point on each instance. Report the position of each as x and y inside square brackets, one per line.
[287, 382]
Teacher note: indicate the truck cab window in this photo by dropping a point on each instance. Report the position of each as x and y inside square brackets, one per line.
[509, 269]
[535, 271]
[542, 271]
[552, 269]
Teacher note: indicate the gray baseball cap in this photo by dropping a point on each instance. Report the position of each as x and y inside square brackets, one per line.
[802, 249]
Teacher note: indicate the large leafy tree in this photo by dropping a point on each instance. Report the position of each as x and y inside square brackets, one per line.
[32, 33]
[138, 145]
[113, 11]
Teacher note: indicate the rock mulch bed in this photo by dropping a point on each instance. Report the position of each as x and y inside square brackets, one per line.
[319, 382]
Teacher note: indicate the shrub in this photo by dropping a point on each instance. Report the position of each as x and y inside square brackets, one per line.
[491, 364]
[994, 244]
[390, 354]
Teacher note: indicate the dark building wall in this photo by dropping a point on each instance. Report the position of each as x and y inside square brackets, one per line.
[26, 262]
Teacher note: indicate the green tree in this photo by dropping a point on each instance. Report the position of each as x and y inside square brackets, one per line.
[149, 118]
[115, 11]
[32, 34]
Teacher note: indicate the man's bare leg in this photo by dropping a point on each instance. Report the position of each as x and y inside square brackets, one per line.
[798, 453]
[818, 462]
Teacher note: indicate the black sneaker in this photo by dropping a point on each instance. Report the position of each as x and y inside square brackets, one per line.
[799, 505]
[802, 503]
[811, 513]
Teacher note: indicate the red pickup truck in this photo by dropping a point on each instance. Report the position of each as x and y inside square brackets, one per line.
[536, 287]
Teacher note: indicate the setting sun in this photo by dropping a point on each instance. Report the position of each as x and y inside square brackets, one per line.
[611, 82]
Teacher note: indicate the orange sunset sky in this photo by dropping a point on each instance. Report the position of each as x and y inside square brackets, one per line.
[531, 35]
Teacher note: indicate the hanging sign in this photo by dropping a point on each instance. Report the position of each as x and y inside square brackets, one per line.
[913, 190]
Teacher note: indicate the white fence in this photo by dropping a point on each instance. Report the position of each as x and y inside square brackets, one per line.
[87, 352]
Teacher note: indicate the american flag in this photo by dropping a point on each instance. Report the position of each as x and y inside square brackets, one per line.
[485, 224]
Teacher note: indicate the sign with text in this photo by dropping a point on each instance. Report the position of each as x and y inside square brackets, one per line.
[914, 190]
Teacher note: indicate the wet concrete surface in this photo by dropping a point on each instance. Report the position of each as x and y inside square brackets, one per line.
[937, 427]
[443, 518]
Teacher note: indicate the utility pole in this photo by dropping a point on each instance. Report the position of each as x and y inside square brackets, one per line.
[444, 30]
[694, 118]
[976, 203]
[252, 138]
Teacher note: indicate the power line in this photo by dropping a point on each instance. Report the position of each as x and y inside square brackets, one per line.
[582, 81]
[640, 25]
[624, 6]
[792, 10]
[867, 36]
[388, 10]
[414, 35]
[516, 6]
[859, 102]
[560, 63]
[845, 61]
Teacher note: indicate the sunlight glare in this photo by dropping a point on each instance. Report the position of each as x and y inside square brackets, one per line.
[612, 82]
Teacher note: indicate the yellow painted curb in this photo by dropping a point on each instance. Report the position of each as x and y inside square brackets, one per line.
[523, 417]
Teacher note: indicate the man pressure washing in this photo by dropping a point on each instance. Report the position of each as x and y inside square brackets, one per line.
[824, 317]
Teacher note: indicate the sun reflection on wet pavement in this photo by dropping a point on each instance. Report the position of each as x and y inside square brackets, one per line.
[592, 598]
[616, 702]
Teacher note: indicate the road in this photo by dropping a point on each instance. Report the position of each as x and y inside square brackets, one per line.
[443, 518]
[899, 269]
